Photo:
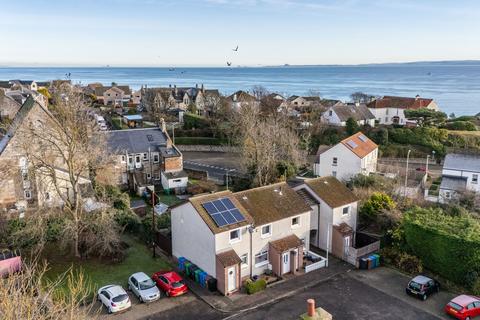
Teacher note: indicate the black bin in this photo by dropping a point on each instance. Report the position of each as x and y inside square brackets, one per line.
[193, 268]
[212, 284]
[363, 263]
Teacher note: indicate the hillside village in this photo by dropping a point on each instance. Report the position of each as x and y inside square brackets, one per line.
[301, 185]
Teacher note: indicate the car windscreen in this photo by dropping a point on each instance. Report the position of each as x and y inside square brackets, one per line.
[146, 284]
[414, 285]
[455, 306]
[177, 284]
[120, 298]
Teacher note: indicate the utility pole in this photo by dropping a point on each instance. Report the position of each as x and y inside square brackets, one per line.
[227, 178]
[426, 167]
[406, 173]
[152, 192]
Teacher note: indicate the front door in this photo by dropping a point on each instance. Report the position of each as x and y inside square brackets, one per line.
[346, 245]
[286, 262]
[232, 279]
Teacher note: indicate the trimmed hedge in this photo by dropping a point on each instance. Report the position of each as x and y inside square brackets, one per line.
[447, 245]
[461, 125]
[191, 120]
[255, 286]
[199, 141]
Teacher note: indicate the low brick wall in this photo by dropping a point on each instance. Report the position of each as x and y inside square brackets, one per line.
[207, 148]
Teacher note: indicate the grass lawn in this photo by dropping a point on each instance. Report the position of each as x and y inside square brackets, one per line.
[99, 273]
[168, 199]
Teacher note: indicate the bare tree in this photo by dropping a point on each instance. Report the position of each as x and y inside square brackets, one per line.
[64, 151]
[259, 92]
[28, 295]
[266, 144]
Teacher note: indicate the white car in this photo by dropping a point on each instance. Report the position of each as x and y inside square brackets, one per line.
[143, 287]
[114, 298]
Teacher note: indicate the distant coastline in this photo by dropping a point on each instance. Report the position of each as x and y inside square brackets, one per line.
[383, 64]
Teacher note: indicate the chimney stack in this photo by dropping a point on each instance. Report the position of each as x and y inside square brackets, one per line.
[417, 97]
[203, 88]
[311, 312]
[163, 126]
[196, 85]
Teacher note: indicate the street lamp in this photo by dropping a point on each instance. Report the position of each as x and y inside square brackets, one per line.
[329, 225]
[406, 173]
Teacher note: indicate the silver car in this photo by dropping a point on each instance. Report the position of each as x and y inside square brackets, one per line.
[143, 287]
[114, 298]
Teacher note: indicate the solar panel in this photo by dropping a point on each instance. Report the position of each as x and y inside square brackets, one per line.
[352, 144]
[223, 212]
[363, 138]
[228, 203]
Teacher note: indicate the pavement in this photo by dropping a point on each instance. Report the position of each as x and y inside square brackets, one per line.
[345, 293]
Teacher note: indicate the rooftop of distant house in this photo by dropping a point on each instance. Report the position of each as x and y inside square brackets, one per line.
[465, 162]
[354, 111]
[139, 141]
[400, 102]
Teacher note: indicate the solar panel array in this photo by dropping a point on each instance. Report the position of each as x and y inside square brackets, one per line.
[363, 138]
[223, 212]
[352, 144]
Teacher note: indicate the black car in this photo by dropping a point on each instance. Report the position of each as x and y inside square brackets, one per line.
[422, 287]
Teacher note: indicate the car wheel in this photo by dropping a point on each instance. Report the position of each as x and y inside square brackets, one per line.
[424, 297]
[109, 310]
[467, 318]
[140, 298]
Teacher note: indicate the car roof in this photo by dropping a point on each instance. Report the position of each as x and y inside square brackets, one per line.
[140, 276]
[464, 299]
[172, 276]
[421, 279]
[114, 290]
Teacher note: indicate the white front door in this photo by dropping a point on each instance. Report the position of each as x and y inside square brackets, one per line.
[346, 245]
[286, 262]
[232, 279]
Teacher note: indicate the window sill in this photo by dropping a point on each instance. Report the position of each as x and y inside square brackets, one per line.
[264, 236]
[235, 241]
[295, 226]
[261, 264]
[244, 266]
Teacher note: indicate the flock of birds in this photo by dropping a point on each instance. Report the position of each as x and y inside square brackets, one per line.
[234, 50]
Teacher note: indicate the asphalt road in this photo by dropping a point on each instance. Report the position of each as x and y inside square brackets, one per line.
[343, 296]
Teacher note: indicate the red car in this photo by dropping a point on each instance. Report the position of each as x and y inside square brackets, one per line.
[170, 282]
[464, 307]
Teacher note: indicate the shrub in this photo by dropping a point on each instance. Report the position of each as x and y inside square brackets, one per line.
[193, 121]
[127, 220]
[402, 260]
[461, 126]
[255, 286]
[377, 203]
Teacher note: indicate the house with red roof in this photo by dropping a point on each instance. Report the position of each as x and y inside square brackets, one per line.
[390, 109]
[353, 155]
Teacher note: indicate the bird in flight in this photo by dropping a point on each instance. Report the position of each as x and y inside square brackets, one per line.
[236, 49]
[229, 63]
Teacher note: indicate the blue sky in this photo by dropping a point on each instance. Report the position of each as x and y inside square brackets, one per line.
[268, 32]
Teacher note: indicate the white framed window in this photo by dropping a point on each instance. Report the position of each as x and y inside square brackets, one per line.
[28, 194]
[266, 231]
[346, 210]
[123, 159]
[295, 222]
[261, 259]
[130, 159]
[386, 119]
[475, 178]
[244, 258]
[330, 113]
[235, 236]
[145, 156]
[149, 176]
[334, 161]
[334, 174]
[447, 194]
[155, 158]
[47, 196]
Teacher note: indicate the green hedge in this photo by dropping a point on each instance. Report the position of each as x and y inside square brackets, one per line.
[255, 286]
[199, 141]
[193, 121]
[461, 125]
[447, 245]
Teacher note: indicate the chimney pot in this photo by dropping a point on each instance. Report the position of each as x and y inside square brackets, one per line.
[311, 308]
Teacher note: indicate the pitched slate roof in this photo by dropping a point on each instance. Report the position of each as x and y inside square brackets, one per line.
[457, 161]
[271, 203]
[399, 102]
[199, 200]
[99, 91]
[242, 96]
[332, 191]
[359, 144]
[360, 112]
[5, 84]
[135, 140]
[286, 243]
[228, 258]
[17, 121]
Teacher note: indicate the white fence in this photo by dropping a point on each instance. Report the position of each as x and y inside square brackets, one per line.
[321, 263]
